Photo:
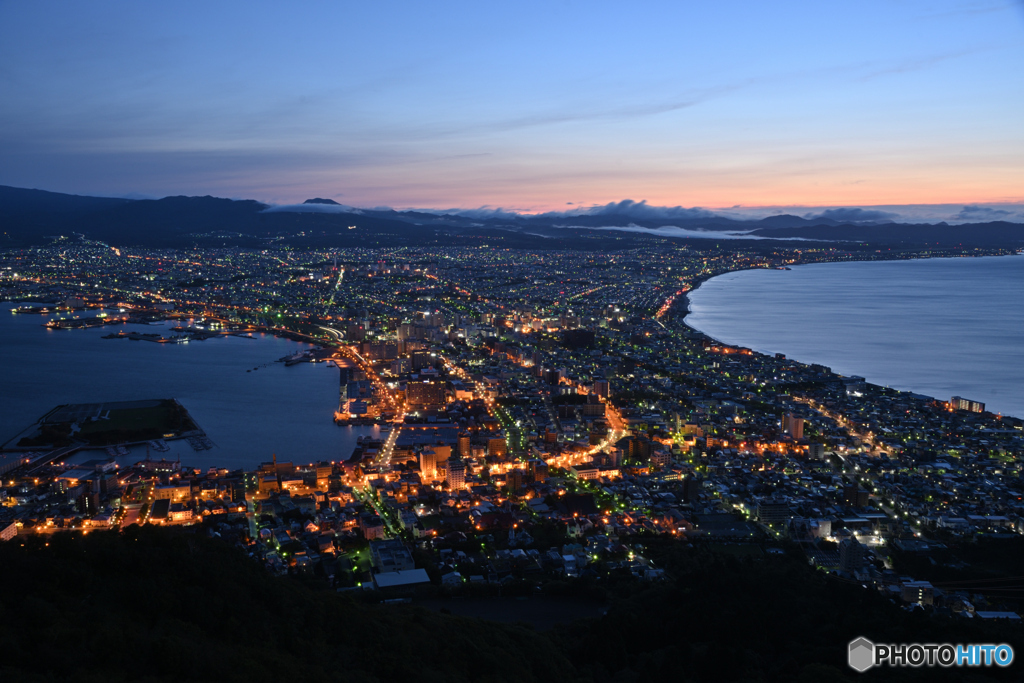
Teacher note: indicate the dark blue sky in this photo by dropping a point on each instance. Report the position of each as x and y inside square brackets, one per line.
[525, 105]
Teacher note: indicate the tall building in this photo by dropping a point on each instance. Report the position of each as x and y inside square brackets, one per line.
[638, 449]
[773, 511]
[855, 496]
[443, 450]
[347, 376]
[346, 370]
[794, 426]
[456, 474]
[691, 489]
[918, 591]
[538, 469]
[424, 395]
[516, 480]
[428, 464]
[851, 555]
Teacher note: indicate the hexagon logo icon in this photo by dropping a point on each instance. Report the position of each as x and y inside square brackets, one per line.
[861, 654]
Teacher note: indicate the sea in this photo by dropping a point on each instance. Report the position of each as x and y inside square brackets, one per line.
[250, 406]
[939, 327]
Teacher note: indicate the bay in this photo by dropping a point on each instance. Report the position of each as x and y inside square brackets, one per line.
[940, 327]
[250, 415]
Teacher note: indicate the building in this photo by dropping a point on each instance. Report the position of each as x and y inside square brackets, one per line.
[918, 591]
[371, 526]
[399, 581]
[428, 464]
[960, 403]
[516, 479]
[496, 447]
[391, 556]
[538, 469]
[456, 474]
[8, 530]
[424, 395]
[362, 389]
[584, 472]
[792, 425]
[851, 555]
[175, 493]
[773, 511]
[180, 513]
[854, 496]
[820, 528]
[691, 489]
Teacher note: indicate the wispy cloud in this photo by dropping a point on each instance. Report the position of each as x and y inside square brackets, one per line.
[917, 64]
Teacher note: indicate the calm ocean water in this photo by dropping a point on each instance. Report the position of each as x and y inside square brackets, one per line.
[940, 327]
[248, 415]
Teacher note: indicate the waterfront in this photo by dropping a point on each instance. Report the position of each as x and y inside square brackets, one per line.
[247, 415]
[939, 327]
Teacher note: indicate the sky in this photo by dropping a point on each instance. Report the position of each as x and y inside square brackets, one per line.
[915, 109]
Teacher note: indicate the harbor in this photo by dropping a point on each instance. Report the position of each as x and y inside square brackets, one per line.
[284, 407]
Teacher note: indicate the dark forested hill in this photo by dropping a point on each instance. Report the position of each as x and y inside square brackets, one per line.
[156, 604]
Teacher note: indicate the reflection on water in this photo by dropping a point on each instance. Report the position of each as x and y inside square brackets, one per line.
[940, 327]
[248, 414]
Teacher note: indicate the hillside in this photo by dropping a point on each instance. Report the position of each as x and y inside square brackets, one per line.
[163, 605]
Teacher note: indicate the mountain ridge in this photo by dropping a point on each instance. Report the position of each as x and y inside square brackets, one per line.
[30, 216]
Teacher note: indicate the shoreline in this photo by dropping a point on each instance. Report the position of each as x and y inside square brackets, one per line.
[686, 313]
[214, 409]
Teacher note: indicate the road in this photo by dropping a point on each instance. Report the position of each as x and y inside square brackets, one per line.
[384, 457]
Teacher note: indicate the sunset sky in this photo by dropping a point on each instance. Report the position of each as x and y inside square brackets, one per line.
[530, 106]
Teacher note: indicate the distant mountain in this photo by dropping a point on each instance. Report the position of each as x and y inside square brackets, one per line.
[14, 200]
[36, 213]
[31, 216]
[997, 233]
[35, 216]
[790, 221]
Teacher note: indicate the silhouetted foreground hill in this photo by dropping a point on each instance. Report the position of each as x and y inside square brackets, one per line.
[157, 606]
[162, 605]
